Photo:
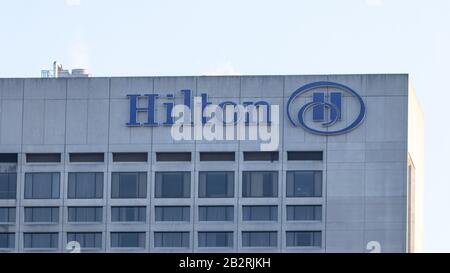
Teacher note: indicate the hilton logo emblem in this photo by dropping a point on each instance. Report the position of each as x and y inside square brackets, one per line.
[326, 108]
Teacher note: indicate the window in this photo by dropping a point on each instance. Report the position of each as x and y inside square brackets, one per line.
[42, 215]
[129, 185]
[304, 238]
[128, 239]
[8, 158]
[261, 156]
[7, 240]
[259, 184]
[215, 239]
[130, 157]
[172, 156]
[7, 215]
[85, 186]
[304, 213]
[304, 184]
[217, 156]
[86, 157]
[172, 239]
[8, 184]
[86, 239]
[305, 156]
[85, 214]
[40, 240]
[172, 214]
[128, 214]
[260, 213]
[173, 185]
[216, 185]
[216, 213]
[43, 158]
[259, 239]
[41, 185]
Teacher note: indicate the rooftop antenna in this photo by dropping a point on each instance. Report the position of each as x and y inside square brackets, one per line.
[59, 72]
[57, 67]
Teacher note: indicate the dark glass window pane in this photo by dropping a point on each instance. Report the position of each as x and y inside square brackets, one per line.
[259, 239]
[217, 156]
[8, 185]
[305, 156]
[85, 186]
[304, 238]
[128, 214]
[40, 240]
[7, 240]
[172, 239]
[260, 184]
[304, 184]
[128, 239]
[260, 213]
[172, 214]
[304, 213]
[43, 158]
[173, 185]
[216, 185]
[85, 214]
[215, 239]
[86, 157]
[8, 158]
[41, 185]
[261, 156]
[86, 239]
[7, 215]
[41, 214]
[216, 213]
[172, 156]
[130, 157]
[129, 185]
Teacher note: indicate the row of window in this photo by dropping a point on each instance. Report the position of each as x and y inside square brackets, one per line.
[163, 156]
[162, 214]
[93, 240]
[167, 185]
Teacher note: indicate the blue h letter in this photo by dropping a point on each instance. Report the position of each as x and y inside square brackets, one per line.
[150, 110]
[319, 110]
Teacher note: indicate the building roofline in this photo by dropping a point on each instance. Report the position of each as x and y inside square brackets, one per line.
[212, 76]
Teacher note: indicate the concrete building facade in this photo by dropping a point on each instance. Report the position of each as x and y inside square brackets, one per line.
[73, 168]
